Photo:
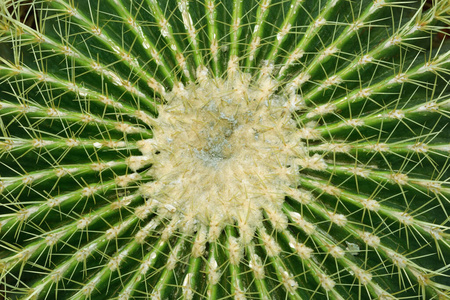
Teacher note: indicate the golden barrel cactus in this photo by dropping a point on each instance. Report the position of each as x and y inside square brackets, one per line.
[224, 149]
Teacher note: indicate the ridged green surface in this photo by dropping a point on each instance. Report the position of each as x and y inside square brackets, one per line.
[367, 83]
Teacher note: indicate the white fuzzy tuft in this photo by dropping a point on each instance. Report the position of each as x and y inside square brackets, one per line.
[242, 159]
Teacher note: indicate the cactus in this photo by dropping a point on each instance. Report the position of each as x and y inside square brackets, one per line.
[217, 149]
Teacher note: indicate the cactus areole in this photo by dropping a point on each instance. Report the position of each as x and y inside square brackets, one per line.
[223, 151]
[211, 149]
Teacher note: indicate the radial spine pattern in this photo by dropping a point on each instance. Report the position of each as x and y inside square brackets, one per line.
[224, 149]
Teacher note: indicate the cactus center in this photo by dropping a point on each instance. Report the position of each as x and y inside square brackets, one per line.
[222, 152]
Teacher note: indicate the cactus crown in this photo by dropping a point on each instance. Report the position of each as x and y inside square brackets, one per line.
[214, 149]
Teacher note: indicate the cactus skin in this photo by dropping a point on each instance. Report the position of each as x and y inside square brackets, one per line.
[87, 97]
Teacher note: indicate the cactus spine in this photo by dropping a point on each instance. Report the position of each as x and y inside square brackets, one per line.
[217, 149]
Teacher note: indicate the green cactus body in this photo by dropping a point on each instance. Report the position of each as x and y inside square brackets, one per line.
[221, 149]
